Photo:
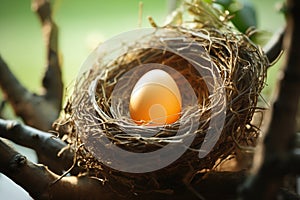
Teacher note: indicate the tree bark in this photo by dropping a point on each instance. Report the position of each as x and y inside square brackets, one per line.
[41, 110]
[279, 156]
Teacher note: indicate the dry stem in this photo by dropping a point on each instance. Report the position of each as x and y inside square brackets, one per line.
[37, 110]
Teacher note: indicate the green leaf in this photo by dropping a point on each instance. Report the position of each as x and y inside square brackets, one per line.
[244, 17]
[243, 11]
[208, 1]
[224, 3]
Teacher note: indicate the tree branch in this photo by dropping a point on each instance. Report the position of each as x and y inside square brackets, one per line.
[278, 142]
[38, 111]
[12, 163]
[45, 144]
[33, 109]
[38, 181]
[2, 106]
[16, 167]
[52, 80]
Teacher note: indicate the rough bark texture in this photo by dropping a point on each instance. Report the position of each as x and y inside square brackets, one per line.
[37, 110]
[278, 154]
[55, 152]
[41, 183]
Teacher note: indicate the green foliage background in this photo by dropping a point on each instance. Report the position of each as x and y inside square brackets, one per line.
[82, 25]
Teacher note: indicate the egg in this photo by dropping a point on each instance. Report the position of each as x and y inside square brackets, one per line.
[155, 99]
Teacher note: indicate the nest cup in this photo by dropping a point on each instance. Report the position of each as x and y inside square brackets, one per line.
[220, 74]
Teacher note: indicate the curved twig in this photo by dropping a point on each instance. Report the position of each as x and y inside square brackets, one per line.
[37, 180]
[274, 48]
[52, 80]
[41, 183]
[33, 109]
[45, 144]
[38, 111]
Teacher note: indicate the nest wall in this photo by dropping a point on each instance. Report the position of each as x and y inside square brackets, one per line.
[241, 69]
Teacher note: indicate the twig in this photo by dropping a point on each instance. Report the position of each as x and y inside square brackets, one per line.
[274, 47]
[2, 106]
[12, 164]
[45, 144]
[41, 183]
[38, 111]
[33, 109]
[278, 143]
[52, 80]
[37, 180]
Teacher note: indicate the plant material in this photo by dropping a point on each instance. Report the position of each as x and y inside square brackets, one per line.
[207, 58]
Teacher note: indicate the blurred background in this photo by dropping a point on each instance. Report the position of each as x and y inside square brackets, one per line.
[82, 26]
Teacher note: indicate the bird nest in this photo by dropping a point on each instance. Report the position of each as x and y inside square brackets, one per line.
[220, 74]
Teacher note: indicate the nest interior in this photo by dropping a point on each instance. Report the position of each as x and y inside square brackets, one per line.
[230, 61]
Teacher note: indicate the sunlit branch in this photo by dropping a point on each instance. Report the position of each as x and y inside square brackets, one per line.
[38, 111]
[33, 109]
[38, 180]
[52, 80]
[55, 153]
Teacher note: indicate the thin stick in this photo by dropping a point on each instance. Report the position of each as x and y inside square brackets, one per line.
[141, 4]
[45, 144]
[52, 81]
[37, 179]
